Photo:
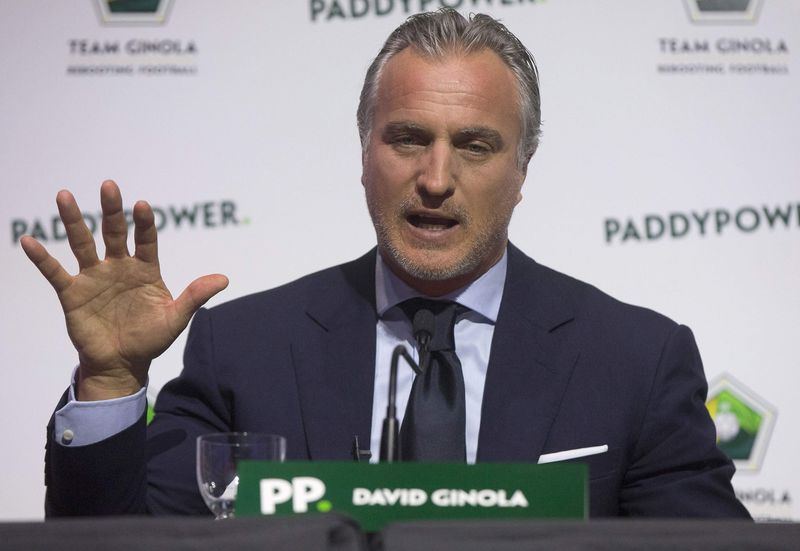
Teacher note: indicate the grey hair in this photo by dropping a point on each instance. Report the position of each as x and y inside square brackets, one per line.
[446, 32]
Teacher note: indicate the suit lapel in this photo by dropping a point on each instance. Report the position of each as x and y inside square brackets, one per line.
[533, 353]
[334, 357]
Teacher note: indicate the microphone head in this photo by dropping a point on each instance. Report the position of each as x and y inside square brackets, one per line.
[424, 324]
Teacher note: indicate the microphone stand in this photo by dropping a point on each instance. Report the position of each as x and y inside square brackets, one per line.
[390, 435]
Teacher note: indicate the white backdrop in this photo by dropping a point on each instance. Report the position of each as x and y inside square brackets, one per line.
[245, 111]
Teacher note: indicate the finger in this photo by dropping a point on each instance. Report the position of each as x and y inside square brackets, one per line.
[145, 235]
[198, 293]
[115, 228]
[80, 238]
[49, 266]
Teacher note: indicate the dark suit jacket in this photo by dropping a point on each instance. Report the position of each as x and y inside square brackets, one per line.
[570, 367]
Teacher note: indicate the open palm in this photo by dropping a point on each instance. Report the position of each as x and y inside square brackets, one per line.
[119, 313]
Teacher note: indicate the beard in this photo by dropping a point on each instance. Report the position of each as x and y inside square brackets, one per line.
[482, 240]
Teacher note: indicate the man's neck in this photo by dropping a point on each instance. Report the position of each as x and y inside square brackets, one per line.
[438, 288]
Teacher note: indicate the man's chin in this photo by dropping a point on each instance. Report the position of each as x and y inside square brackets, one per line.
[429, 265]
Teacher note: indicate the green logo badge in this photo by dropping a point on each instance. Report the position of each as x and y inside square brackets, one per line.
[743, 419]
[133, 12]
[723, 11]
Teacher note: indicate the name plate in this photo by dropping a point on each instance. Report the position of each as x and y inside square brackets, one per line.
[377, 494]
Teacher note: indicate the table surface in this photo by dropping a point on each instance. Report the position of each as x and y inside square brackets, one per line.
[337, 532]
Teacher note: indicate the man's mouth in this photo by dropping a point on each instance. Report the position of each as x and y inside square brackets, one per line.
[432, 223]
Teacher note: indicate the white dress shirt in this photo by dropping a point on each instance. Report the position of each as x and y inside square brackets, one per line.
[473, 333]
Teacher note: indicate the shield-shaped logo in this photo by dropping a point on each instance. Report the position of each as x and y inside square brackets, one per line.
[743, 419]
[133, 12]
[723, 11]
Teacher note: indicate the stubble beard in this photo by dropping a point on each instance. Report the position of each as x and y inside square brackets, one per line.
[387, 231]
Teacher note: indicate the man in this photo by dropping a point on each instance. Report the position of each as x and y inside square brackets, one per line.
[448, 119]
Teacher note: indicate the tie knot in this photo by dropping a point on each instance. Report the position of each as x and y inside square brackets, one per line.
[436, 317]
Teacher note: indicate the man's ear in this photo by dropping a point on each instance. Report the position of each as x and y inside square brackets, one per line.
[363, 176]
[525, 166]
[524, 170]
[363, 164]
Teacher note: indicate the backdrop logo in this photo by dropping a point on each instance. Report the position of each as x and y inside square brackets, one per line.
[723, 11]
[332, 10]
[133, 12]
[196, 216]
[736, 54]
[743, 419]
[117, 56]
[702, 223]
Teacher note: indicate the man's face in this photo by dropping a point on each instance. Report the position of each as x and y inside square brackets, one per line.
[441, 173]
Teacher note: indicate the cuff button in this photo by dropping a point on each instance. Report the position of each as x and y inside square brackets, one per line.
[67, 436]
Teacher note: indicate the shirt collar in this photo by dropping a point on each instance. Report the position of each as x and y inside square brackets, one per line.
[482, 295]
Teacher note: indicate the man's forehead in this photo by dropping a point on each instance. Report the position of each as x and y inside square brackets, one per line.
[451, 68]
[478, 82]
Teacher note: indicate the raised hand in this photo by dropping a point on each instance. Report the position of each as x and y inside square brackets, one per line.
[119, 313]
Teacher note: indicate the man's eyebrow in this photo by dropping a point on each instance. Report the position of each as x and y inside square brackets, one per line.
[395, 127]
[470, 133]
[482, 133]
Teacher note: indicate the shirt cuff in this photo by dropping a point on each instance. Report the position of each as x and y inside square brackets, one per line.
[84, 423]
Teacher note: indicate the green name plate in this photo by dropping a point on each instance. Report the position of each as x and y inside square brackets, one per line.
[377, 494]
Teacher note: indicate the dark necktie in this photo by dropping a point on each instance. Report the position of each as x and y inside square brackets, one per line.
[434, 422]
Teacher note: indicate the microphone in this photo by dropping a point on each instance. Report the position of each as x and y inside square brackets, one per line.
[422, 327]
[390, 433]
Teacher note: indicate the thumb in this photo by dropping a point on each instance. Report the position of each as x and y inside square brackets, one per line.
[197, 293]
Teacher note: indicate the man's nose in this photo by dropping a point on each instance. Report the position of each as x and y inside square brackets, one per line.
[437, 176]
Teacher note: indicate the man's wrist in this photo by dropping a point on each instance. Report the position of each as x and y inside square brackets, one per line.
[90, 388]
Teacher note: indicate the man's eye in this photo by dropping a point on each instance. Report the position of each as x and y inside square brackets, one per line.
[477, 148]
[406, 140]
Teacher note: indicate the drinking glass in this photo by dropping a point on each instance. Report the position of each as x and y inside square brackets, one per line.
[218, 456]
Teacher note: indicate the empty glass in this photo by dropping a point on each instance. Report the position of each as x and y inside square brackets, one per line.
[218, 456]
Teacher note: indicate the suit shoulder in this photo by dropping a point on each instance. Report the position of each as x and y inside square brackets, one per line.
[589, 303]
[591, 300]
[290, 298]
